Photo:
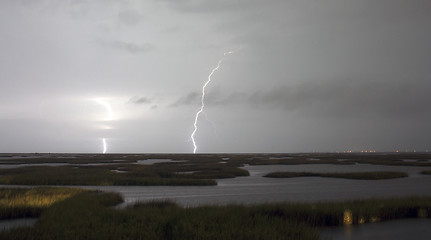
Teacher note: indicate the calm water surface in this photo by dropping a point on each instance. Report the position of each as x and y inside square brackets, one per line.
[14, 223]
[257, 189]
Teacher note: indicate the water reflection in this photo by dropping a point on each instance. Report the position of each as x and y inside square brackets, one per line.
[257, 189]
[418, 229]
[14, 223]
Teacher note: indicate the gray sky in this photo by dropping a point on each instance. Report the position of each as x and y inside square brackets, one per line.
[327, 75]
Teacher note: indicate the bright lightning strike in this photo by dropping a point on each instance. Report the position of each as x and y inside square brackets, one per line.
[195, 124]
[105, 146]
[108, 118]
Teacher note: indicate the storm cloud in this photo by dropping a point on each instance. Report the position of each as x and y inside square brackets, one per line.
[349, 98]
[324, 75]
[333, 98]
[140, 100]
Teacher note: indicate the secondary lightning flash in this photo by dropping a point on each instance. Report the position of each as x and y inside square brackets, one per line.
[108, 118]
[195, 124]
[105, 147]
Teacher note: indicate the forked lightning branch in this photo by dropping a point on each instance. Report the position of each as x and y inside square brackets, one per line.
[198, 113]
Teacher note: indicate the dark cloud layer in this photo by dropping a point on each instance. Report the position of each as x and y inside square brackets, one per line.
[326, 75]
[336, 98]
[140, 100]
[189, 99]
[350, 98]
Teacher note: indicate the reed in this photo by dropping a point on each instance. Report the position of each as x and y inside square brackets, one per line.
[179, 173]
[89, 215]
[30, 202]
[350, 175]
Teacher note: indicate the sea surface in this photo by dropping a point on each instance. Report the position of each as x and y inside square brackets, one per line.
[255, 188]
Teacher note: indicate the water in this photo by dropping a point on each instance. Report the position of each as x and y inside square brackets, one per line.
[418, 229]
[257, 189]
[21, 222]
[6, 166]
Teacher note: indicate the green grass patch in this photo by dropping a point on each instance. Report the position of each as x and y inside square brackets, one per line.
[184, 169]
[30, 202]
[89, 215]
[199, 172]
[96, 175]
[350, 175]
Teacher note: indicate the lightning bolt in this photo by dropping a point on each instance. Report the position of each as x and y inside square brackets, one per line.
[105, 146]
[195, 124]
[108, 118]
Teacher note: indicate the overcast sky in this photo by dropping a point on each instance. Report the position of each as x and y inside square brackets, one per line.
[306, 75]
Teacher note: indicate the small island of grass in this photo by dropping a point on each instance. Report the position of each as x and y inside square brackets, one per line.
[194, 172]
[31, 202]
[349, 175]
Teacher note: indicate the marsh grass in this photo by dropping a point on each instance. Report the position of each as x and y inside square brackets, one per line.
[30, 202]
[89, 215]
[95, 175]
[185, 169]
[203, 173]
[350, 175]
[392, 159]
[397, 159]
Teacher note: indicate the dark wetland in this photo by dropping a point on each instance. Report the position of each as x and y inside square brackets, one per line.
[214, 196]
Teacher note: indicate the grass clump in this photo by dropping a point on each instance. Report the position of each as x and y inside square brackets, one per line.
[351, 175]
[94, 175]
[359, 211]
[183, 169]
[89, 215]
[30, 202]
[176, 173]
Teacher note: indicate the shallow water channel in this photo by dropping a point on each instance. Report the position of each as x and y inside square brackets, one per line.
[258, 189]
